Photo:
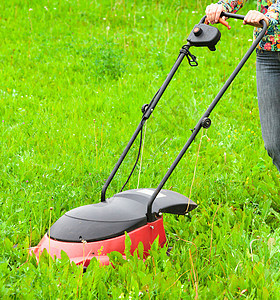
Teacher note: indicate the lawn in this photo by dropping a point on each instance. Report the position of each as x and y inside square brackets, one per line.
[74, 76]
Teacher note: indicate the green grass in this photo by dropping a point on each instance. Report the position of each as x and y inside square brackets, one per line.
[73, 78]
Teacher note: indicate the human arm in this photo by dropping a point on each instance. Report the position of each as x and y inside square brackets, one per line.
[272, 13]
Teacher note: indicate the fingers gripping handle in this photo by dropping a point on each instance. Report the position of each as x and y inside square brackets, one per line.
[241, 17]
[221, 20]
[233, 16]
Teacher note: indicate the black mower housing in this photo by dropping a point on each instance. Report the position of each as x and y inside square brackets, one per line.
[123, 212]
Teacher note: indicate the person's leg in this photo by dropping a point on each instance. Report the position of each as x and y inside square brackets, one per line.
[268, 87]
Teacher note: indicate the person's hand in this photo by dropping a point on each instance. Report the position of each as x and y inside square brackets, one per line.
[254, 17]
[213, 13]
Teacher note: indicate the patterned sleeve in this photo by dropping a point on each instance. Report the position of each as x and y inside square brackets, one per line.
[232, 6]
[273, 13]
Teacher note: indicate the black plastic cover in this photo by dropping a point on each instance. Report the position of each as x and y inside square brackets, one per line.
[125, 211]
[204, 35]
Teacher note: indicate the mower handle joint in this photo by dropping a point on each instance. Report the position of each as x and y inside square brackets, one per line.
[191, 58]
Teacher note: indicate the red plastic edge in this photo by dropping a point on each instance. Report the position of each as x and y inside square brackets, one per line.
[82, 253]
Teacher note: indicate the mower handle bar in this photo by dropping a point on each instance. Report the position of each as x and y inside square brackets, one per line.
[209, 110]
[198, 126]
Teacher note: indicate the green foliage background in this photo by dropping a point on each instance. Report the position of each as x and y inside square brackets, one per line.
[73, 78]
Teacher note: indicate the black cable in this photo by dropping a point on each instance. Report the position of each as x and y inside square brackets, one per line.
[137, 159]
[140, 143]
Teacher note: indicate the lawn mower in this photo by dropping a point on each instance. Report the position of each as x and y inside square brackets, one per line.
[95, 230]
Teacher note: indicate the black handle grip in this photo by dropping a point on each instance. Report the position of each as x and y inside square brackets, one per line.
[238, 17]
[233, 16]
[241, 17]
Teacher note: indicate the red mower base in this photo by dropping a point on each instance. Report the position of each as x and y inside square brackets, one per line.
[82, 253]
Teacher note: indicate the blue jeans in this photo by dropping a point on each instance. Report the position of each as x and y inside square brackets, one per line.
[268, 87]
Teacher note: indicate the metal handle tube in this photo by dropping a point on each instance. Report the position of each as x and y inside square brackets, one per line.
[165, 84]
[233, 16]
[146, 115]
[206, 114]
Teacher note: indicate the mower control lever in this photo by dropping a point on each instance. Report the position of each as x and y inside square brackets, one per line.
[221, 20]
